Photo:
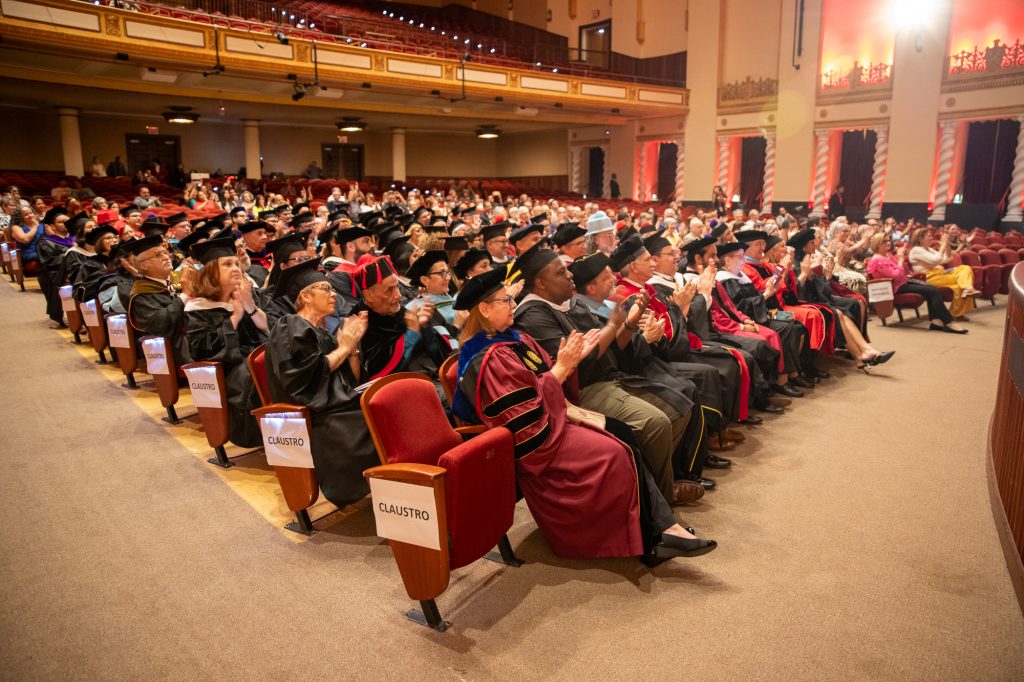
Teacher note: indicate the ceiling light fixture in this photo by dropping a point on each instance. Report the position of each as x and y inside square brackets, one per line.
[351, 124]
[488, 132]
[182, 115]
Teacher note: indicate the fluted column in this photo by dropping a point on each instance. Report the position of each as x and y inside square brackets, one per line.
[680, 148]
[71, 142]
[723, 163]
[640, 184]
[251, 133]
[944, 171]
[398, 154]
[606, 174]
[878, 172]
[1015, 199]
[768, 193]
[820, 173]
[576, 181]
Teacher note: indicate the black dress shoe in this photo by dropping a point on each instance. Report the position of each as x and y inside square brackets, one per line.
[673, 546]
[752, 420]
[881, 358]
[819, 373]
[772, 409]
[705, 483]
[716, 462]
[803, 382]
[786, 389]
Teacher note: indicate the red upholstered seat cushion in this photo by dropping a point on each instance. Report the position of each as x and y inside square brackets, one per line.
[425, 433]
[908, 300]
[480, 494]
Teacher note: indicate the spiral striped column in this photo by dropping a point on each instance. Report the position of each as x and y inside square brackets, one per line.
[723, 163]
[944, 172]
[606, 173]
[1015, 199]
[680, 148]
[768, 192]
[577, 170]
[820, 173]
[640, 184]
[878, 171]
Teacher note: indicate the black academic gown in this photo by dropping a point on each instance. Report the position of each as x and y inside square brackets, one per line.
[78, 266]
[212, 338]
[258, 269]
[154, 311]
[51, 254]
[120, 280]
[298, 372]
[750, 301]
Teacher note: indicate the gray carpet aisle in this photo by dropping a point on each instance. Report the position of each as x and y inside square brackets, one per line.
[856, 543]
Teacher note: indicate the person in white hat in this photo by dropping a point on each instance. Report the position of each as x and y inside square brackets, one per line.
[600, 234]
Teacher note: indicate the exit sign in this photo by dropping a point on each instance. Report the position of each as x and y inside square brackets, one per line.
[152, 130]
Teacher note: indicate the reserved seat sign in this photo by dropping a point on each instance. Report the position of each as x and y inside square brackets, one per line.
[202, 382]
[15, 263]
[156, 355]
[117, 331]
[67, 302]
[880, 291]
[89, 314]
[286, 440]
[6, 252]
[405, 512]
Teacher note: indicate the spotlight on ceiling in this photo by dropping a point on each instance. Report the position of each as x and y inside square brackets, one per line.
[351, 124]
[281, 37]
[487, 132]
[182, 115]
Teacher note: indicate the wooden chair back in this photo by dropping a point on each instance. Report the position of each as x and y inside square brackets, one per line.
[210, 395]
[121, 337]
[299, 484]
[92, 318]
[256, 362]
[160, 365]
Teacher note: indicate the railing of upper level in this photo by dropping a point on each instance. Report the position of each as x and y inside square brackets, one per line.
[1007, 434]
[356, 25]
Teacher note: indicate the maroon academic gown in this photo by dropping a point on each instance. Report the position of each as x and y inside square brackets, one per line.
[579, 482]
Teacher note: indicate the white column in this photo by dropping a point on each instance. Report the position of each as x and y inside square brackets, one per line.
[680, 149]
[820, 173]
[576, 179]
[944, 172]
[768, 193]
[71, 141]
[251, 131]
[606, 184]
[640, 185]
[398, 154]
[878, 172]
[1015, 200]
[723, 162]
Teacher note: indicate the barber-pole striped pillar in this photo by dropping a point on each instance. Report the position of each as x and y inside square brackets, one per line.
[1015, 199]
[577, 170]
[944, 171]
[680, 148]
[878, 172]
[768, 193]
[820, 173]
[723, 163]
[640, 185]
[606, 172]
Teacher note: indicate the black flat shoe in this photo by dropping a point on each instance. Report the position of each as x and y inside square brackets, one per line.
[881, 358]
[803, 382]
[716, 462]
[945, 328]
[705, 483]
[752, 420]
[819, 373]
[787, 390]
[673, 546]
[772, 409]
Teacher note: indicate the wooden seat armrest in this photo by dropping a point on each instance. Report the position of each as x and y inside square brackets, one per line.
[468, 432]
[410, 472]
[276, 408]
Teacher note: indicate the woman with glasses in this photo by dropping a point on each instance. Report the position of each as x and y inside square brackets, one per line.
[589, 492]
[432, 275]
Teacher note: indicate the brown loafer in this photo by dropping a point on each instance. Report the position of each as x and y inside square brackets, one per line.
[716, 444]
[780, 402]
[684, 492]
[735, 435]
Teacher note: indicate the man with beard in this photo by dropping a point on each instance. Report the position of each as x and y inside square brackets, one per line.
[155, 307]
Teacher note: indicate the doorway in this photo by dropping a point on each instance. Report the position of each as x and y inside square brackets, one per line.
[856, 164]
[667, 152]
[752, 154]
[342, 161]
[595, 174]
[143, 149]
[596, 44]
[988, 168]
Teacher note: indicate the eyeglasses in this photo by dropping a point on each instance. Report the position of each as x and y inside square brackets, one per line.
[300, 258]
[158, 254]
[443, 274]
[322, 286]
[507, 300]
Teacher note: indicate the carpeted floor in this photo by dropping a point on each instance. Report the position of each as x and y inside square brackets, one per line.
[857, 542]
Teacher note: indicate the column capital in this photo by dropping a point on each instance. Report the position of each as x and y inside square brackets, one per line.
[822, 133]
[400, 131]
[882, 129]
[722, 139]
[767, 134]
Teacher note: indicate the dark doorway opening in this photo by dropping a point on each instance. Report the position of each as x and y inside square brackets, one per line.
[752, 171]
[667, 152]
[343, 161]
[857, 162]
[991, 146]
[595, 175]
[142, 150]
[596, 44]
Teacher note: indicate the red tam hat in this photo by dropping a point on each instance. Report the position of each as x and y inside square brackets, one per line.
[371, 271]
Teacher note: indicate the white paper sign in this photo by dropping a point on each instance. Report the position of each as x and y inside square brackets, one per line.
[202, 381]
[286, 440]
[67, 302]
[156, 355]
[405, 512]
[5, 251]
[117, 331]
[15, 265]
[880, 291]
[89, 314]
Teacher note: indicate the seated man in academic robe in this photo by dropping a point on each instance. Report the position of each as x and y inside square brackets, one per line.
[255, 234]
[309, 366]
[50, 249]
[155, 306]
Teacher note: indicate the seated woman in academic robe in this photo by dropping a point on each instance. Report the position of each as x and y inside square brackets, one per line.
[815, 288]
[307, 365]
[934, 264]
[431, 274]
[88, 258]
[225, 325]
[589, 492]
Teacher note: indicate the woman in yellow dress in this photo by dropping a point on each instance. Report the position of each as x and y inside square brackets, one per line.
[933, 262]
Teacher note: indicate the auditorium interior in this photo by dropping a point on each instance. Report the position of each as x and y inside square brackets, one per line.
[867, 515]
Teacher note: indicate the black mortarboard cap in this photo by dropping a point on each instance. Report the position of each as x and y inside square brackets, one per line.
[532, 261]
[423, 264]
[698, 245]
[197, 236]
[129, 209]
[97, 232]
[468, 261]
[520, 233]
[747, 236]
[494, 231]
[238, 209]
[52, 214]
[585, 269]
[539, 218]
[154, 225]
[291, 281]
[772, 242]
[799, 240]
[302, 219]
[173, 220]
[730, 247]
[455, 243]
[137, 246]
[627, 252]
[252, 226]
[566, 233]
[351, 234]
[479, 288]
[209, 251]
[286, 246]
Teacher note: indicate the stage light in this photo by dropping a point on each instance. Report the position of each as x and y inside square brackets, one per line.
[351, 125]
[488, 132]
[281, 37]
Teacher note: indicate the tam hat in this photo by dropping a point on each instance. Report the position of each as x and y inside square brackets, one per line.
[210, 250]
[627, 252]
[479, 288]
[585, 270]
